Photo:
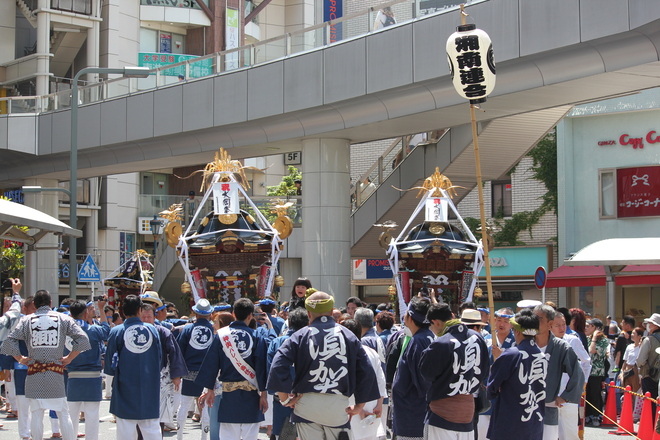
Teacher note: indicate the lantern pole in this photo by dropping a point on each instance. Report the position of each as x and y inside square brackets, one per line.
[482, 211]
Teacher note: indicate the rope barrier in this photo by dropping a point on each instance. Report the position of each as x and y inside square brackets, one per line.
[633, 393]
[613, 421]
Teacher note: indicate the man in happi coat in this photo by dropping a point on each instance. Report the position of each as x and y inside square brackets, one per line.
[409, 386]
[562, 360]
[45, 333]
[329, 366]
[517, 383]
[194, 341]
[172, 367]
[239, 353]
[133, 357]
[85, 385]
[455, 364]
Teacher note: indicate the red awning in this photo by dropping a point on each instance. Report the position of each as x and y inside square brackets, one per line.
[575, 276]
[630, 275]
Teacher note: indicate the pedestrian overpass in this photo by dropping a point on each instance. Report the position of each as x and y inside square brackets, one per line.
[550, 55]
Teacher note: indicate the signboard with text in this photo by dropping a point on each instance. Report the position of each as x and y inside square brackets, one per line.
[638, 191]
[370, 269]
[196, 69]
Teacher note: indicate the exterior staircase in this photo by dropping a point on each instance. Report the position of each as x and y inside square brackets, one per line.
[28, 11]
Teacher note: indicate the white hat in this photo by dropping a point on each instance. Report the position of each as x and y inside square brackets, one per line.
[528, 303]
[471, 317]
[654, 319]
[203, 307]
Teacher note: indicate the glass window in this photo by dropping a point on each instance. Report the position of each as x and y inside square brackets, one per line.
[148, 40]
[502, 205]
[607, 194]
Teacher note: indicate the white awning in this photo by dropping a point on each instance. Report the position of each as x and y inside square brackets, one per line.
[618, 252]
[14, 214]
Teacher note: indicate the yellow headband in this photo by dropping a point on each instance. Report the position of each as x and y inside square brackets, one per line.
[524, 331]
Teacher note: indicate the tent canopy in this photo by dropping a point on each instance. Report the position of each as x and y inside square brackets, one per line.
[630, 261]
[14, 214]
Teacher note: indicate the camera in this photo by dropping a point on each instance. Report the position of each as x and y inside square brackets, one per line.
[425, 289]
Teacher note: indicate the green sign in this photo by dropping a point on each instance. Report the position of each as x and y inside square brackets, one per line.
[516, 261]
[196, 69]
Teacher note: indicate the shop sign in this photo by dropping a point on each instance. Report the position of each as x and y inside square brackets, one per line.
[371, 269]
[638, 191]
[516, 261]
[635, 142]
[195, 69]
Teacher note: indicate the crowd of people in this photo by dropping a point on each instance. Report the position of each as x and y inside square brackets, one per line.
[312, 369]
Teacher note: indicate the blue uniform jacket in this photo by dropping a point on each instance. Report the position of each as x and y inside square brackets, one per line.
[409, 388]
[133, 357]
[327, 358]
[194, 341]
[238, 406]
[517, 381]
[455, 363]
[88, 389]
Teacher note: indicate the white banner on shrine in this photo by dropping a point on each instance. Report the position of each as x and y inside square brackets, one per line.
[436, 209]
[225, 198]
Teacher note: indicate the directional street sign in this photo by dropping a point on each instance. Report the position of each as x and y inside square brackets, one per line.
[89, 271]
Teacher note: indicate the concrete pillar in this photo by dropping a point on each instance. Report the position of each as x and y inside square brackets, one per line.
[43, 259]
[43, 48]
[93, 50]
[290, 269]
[326, 252]
[7, 31]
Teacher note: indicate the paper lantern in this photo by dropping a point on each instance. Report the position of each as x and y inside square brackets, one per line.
[471, 63]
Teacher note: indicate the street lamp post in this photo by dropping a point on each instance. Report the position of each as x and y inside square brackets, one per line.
[155, 225]
[135, 72]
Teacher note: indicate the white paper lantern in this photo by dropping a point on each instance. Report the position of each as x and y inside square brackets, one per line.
[471, 63]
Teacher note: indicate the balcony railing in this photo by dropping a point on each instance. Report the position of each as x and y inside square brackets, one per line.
[276, 48]
[76, 6]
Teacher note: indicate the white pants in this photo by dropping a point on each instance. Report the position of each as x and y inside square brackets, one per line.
[37, 422]
[435, 433]
[482, 426]
[268, 415]
[10, 387]
[568, 422]
[108, 385]
[127, 429]
[186, 403]
[23, 407]
[239, 431]
[551, 432]
[91, 410]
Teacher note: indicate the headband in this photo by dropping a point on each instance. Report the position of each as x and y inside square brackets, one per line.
[221, 308]
[524, 331]
[319, 305]
[418, 317]
[481, 309]
[309, 291]
[91, 303]
[503, 315]
[164, 306]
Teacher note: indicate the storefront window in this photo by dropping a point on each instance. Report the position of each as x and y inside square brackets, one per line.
[636, 302]
[607, 194]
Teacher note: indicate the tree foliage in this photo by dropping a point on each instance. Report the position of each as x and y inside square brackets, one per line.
[286, 187]
[11, 255]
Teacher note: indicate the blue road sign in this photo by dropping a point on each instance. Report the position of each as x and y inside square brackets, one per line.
[540, 277]
[89, 271]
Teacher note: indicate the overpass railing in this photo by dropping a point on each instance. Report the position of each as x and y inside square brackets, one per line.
[321, 35]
